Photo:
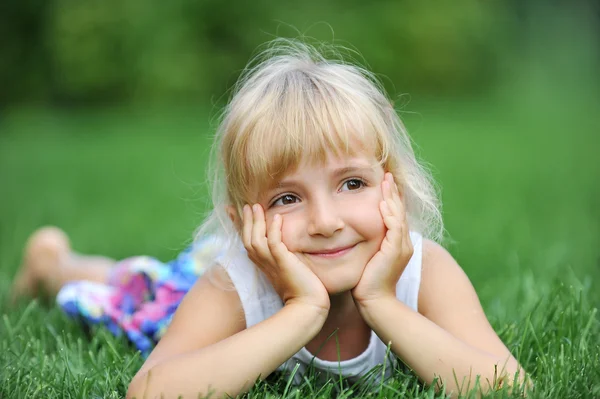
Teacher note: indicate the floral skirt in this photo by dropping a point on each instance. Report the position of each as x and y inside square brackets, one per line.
[141, 294]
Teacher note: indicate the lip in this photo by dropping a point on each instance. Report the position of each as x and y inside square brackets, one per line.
[332, 253]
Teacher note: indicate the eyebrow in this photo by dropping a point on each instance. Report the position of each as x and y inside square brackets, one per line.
[351, 169]
[336, 173]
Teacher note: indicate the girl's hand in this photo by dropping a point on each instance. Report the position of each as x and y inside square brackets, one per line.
[383, 271]
[292, 279]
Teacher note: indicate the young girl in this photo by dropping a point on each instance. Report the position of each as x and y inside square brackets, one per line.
[324, 224]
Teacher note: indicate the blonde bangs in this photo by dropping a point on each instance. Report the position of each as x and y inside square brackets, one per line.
[303, 119]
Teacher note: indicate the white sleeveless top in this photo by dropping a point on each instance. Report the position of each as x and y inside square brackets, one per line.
[260, 301]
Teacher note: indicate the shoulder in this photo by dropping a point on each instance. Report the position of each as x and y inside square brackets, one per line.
[441, 276]
[212, 298]
[438, 261]
[435, 255]
[210, 312]
[213, 293]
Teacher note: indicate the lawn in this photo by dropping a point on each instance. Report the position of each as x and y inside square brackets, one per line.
[521, 205]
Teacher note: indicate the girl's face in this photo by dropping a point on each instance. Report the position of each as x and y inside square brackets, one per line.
[331, 217]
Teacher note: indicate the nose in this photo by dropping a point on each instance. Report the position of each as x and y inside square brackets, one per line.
[324, 218]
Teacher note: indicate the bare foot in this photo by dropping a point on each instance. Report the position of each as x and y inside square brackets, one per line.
[44, 252]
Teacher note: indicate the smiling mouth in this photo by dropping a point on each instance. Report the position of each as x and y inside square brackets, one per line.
[332, 253]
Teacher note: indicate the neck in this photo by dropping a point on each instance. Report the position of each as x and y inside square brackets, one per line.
[342, 309]
[344, 326]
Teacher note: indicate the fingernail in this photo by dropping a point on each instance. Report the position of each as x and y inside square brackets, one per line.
[255, 207]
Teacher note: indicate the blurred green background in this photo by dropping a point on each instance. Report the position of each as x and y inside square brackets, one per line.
[107, 109]
[90, 52]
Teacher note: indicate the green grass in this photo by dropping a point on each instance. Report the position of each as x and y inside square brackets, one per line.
[520, 194]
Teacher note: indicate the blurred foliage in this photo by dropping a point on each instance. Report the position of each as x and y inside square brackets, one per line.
[70, 52]
[114, 50]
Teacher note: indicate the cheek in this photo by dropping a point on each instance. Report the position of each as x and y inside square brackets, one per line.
[367, 217]
[373, 225]
[290, 230]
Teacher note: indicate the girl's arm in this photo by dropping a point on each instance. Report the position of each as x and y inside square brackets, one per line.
[450, 338]
[207, 349]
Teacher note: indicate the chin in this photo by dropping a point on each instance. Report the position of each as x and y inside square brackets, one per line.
[339, 276]
[338, 290]
[335, 286]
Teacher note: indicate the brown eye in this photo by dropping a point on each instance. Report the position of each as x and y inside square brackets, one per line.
[352, 184]
[286, 199]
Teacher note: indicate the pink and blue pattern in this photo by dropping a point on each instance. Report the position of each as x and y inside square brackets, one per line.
[141, 295]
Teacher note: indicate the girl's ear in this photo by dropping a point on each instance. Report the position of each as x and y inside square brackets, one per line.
[234, 216]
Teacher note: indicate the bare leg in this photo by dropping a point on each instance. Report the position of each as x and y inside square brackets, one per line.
[49, 263]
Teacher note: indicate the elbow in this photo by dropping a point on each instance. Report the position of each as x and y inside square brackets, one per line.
[505, 376]
[512, 378]
[137, 386]
[519, 383]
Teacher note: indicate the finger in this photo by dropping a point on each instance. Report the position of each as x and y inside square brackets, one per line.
[397, 224]
[259, 234]
[386, 189]
[384, 208]
[391, 210]
[388, 186]
[395, 190]
[274, 242]
[399, 204]
[393, 241]
[247, 227]
[390, 220]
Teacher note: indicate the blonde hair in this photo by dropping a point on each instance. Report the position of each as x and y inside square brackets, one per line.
[292, 103]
